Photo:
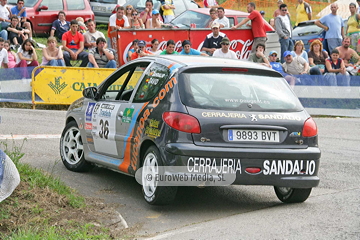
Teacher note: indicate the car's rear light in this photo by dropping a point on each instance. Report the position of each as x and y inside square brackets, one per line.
[182, 122]
[253, 170]
[320, 39]
[234, 70]
[310, 128]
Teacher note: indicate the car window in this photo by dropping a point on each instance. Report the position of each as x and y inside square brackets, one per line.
[129, 76]
[232, 21]
[75, 4]
[151, 83]
[185, 19]
[27, 3]
[53, 5]
[232, 91]
[245, 26]
[306, 30]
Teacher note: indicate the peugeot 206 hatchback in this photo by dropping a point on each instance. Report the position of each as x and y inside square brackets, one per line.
[199, 115]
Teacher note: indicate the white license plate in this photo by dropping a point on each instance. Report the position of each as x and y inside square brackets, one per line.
[99, 9]
[247, 135]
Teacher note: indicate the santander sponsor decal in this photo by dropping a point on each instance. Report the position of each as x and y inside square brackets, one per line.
[240, 47]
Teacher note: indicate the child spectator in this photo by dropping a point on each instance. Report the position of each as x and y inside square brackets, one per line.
[187, 50]
[134, 47]
[82, 26]
[52, 55]
[170, 48]
[12, 57]
[27, 57]
[154, 22]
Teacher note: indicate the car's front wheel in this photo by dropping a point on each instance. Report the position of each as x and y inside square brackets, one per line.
[72, 149]
[292, 195]
[154, 194]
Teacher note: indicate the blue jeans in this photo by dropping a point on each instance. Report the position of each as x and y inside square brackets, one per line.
[4, 34]
[110, 64]
[286, 45]
[83, 56]
[55, 63]
[333, 43]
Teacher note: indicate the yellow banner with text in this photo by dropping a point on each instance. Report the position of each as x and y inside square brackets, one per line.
[63, 85]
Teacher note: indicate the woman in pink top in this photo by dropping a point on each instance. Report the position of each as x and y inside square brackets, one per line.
[11, 55]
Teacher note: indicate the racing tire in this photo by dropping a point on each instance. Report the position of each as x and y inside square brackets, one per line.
[72, 149]
[153, 194]
[292, 195]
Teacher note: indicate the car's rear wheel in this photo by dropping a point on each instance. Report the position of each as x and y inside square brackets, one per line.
[72, 149]
[292, 195]
[154, 194]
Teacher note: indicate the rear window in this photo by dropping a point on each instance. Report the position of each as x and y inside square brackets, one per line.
[75, 4]
[306, 30]
[234, 92]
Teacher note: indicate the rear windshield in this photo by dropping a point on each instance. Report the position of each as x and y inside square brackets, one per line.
[306, 30]
[234, 91]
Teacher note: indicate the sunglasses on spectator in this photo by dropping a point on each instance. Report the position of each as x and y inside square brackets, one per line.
[225, 44]
[134, 14]
[274, 55]
[284, 10]
[128, 8]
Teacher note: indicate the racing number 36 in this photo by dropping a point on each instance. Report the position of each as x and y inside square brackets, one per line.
[104, 131]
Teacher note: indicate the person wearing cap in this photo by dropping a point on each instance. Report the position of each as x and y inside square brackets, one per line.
[224, 51]
[257, 25]
[101, 57]
[170, 48]
[259, 56]
[222, 20]
[279, 68]
[334, 27]
[303, 12]
[168, 10]
[187, 50]
[147, 13]
[262, 13]
[298, 67]
[213, 40]
[284, 30]
[155, 21]
[141, 51]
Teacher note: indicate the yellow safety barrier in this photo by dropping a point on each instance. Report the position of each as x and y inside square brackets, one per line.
[63, 85]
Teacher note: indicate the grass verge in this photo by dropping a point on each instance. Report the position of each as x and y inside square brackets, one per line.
[42, 207]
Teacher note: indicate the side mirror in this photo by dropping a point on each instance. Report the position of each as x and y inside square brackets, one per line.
[42, 8]
[90, 92]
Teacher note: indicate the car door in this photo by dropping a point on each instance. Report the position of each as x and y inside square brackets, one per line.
[43, 19]
[106, 116]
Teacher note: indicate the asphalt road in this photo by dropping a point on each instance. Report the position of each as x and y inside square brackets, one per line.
[233, 212]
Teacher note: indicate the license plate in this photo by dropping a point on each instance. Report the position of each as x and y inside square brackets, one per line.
[238, 135]
[99, 9]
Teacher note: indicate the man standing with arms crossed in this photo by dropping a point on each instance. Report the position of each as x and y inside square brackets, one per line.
[257, 26]
[284, 30]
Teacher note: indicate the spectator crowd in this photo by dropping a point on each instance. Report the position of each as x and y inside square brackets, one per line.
[80, 41]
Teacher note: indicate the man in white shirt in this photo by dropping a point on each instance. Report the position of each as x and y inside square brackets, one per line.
[4, 14]
[224, 51]
[91, 35]
[284, 30]
[3, 54]
[222, 20]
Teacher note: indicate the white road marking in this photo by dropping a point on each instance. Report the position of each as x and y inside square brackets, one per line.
[29, 136]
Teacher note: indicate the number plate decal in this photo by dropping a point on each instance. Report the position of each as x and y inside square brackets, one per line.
[248, 135]
[104, 127]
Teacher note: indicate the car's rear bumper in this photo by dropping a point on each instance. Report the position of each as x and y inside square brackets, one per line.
[296, 168]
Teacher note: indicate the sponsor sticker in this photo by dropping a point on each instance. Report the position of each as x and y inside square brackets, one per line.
[128, 113]
[89, 111]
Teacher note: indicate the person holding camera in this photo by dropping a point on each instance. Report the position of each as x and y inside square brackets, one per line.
[141, 51]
